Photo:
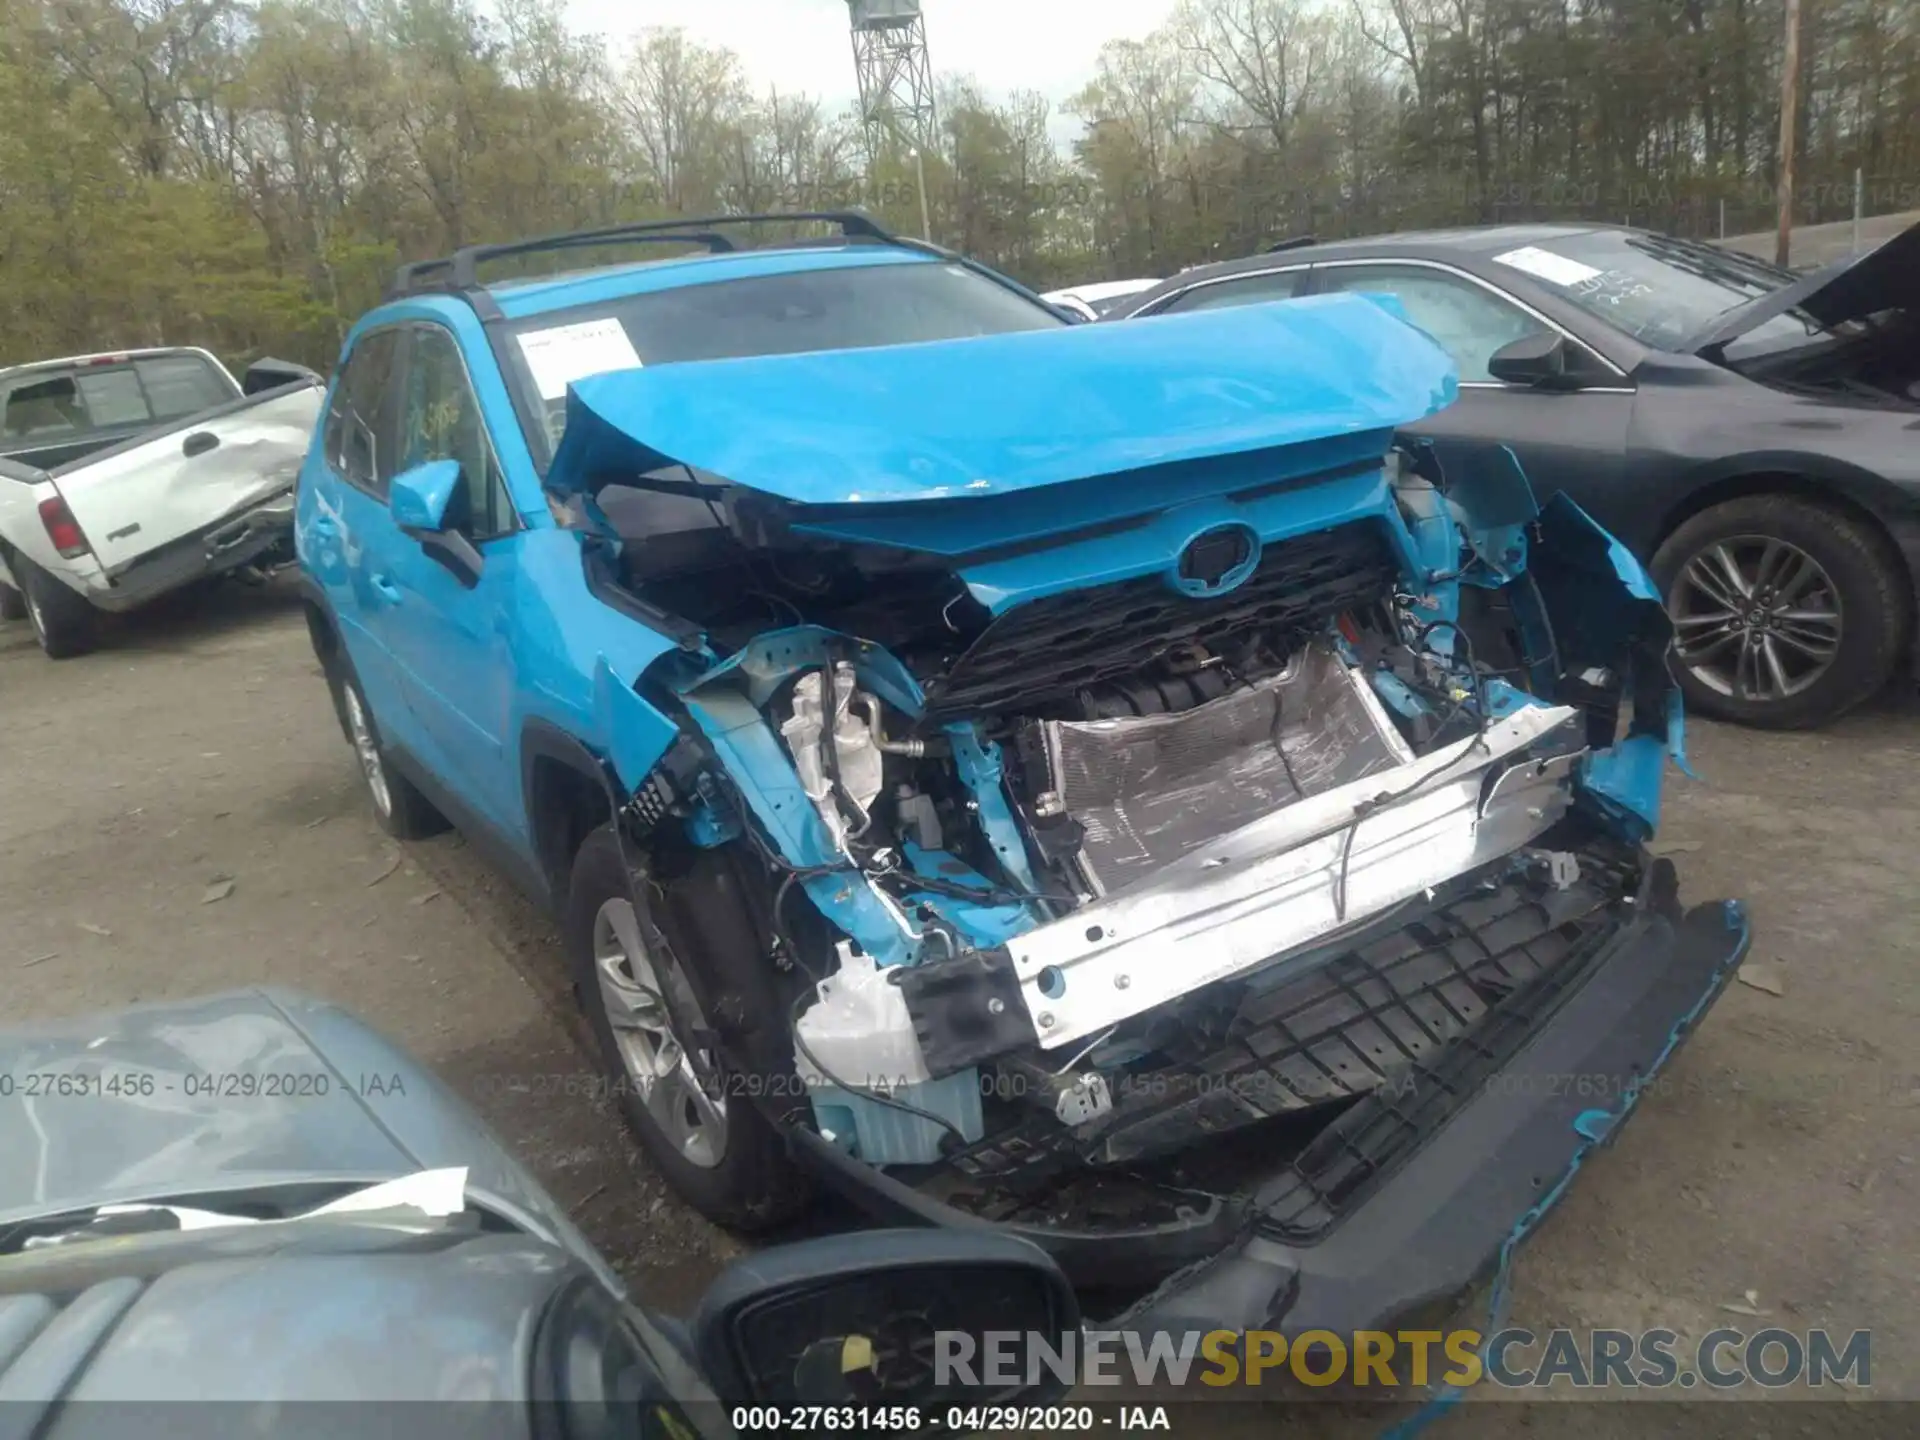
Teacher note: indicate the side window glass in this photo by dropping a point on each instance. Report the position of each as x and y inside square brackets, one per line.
[443, 422]
[360, 430]
[1248, 291]
[1468, 322]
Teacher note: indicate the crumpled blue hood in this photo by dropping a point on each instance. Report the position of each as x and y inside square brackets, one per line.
[1003, 413]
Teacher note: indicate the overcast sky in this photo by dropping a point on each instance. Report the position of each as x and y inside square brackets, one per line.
[1044, 45]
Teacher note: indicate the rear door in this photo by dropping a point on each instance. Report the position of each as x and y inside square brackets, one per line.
[450, 638]
[346, 535]
[1574, 441]
[190, 475]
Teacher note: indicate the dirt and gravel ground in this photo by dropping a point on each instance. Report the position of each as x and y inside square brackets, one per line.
[1776, 1172]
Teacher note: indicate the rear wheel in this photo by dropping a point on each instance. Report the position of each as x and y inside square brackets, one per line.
[403, 812]
[1786, 614]
[702, 1130]
[62, 621]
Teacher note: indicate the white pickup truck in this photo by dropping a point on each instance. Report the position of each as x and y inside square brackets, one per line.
[124, 476]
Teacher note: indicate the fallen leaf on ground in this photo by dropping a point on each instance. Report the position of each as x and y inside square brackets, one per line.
[218, 890]
[95, 929]
[1761, 977]
[316, 824]
[393, 864]
[423, 899]
[38, 960]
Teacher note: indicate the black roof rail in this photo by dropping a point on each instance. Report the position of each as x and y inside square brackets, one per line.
[460, 271]
[1293, 242]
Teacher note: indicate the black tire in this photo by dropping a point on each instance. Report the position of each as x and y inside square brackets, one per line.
[13, 605]
[398, 806]
[1860, 592]
[63, 622]
[749, 1180]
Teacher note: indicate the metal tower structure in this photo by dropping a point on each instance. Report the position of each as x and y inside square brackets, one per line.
[896, 77]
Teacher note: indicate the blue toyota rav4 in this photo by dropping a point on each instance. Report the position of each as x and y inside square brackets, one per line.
[1084, 780]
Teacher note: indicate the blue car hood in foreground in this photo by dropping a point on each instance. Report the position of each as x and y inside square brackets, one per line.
[1003, 413]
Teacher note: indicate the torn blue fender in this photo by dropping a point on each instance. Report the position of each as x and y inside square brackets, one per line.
[1586, 606]
[728, 702]
[637, 734]
[1494, 504]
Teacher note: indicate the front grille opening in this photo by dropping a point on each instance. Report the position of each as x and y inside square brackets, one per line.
[1043, 651]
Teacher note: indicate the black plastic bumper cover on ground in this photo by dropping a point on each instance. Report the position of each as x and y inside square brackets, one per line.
[1441, 1218]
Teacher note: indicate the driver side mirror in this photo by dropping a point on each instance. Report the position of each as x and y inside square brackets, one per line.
[418, 499]
[1541, 361]
[922, 1318]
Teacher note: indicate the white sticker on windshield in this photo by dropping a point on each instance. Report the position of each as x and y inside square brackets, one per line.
[566, 353]
[1557, 269]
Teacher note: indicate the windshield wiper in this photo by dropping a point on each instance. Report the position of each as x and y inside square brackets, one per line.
[1716, 266]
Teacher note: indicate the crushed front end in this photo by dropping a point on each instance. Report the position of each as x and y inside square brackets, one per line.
[1202, 866]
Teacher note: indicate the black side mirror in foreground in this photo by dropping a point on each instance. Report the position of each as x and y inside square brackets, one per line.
[1538, 360]
[889, 1317]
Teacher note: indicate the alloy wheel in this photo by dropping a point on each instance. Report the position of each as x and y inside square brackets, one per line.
[1755, 618]
[368, 749]
[638, 974]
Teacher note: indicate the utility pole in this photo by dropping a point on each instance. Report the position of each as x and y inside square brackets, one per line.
[1789, 112]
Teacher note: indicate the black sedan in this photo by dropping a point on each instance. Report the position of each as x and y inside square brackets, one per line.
[1754, 435]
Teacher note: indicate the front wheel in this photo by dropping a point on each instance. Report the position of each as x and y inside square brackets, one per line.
[1786, 614]
[703, 1132]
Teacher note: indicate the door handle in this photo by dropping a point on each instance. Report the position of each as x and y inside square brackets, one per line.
[389, 591]
[199, 443]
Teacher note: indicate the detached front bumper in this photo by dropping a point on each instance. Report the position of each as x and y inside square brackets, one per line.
[1492, 1150]
[1409, 1195]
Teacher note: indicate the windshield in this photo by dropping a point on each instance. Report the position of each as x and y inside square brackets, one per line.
[838, 309]
[1658, 289]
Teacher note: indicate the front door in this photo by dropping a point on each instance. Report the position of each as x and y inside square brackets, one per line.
[451, 639]
[1572, 440]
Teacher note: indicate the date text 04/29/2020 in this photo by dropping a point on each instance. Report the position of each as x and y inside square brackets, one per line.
[106, 1084]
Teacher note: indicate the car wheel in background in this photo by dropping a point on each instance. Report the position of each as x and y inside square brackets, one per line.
[62, 621]
[13, 605]
[403, 812]
[1786, 614]
[704, 1133]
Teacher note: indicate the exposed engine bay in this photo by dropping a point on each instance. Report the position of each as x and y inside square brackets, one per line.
[1876, 363]
[1126, 868]
[1110, 839]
